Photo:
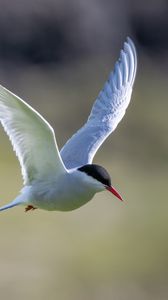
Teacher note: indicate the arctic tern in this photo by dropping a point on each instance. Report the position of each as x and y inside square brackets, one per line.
[67, 179]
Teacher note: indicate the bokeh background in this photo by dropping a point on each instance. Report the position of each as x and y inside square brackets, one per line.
[57, 55]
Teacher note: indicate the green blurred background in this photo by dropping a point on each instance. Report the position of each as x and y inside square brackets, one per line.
[57, 55]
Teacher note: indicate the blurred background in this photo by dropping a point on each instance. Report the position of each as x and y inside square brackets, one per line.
[57, 55]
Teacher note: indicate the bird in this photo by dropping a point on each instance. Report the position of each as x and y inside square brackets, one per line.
[65, 180]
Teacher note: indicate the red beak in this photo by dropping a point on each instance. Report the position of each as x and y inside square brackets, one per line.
[114, 192]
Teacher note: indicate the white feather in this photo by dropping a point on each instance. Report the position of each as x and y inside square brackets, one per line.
[108, 110]
[32, 138]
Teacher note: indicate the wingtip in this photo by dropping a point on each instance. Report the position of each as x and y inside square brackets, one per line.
[127, 63]
[134, 52]
[130, 42]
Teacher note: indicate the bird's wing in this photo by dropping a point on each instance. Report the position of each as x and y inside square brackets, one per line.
[107, 111]
[32, 138]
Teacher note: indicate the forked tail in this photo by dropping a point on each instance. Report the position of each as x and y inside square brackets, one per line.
[11, 204]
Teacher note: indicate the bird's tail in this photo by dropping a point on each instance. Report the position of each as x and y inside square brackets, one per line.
[13, 203]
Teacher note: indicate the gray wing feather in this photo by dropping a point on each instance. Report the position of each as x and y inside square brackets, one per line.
[107, 111]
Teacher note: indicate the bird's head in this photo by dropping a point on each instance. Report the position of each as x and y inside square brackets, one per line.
[100, 177]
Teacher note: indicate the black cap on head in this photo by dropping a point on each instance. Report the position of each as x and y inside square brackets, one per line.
[97, 172]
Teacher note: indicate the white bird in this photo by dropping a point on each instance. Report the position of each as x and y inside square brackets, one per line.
[66, 180]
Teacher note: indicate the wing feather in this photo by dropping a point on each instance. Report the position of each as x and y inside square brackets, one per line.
[32, 137]
[107, 111]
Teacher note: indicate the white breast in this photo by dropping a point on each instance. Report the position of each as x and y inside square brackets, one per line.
[68, 192]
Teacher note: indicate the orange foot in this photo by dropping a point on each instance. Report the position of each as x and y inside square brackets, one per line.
[30, 207]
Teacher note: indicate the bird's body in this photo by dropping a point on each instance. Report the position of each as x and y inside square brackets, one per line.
[64, 193]
[66, 180]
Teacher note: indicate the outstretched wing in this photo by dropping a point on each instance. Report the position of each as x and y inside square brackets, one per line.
[108, 110]
[32, 138]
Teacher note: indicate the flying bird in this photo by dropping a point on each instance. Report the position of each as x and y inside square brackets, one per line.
[67, 179]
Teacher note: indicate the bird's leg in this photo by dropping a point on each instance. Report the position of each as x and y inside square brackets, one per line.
[30, 207]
